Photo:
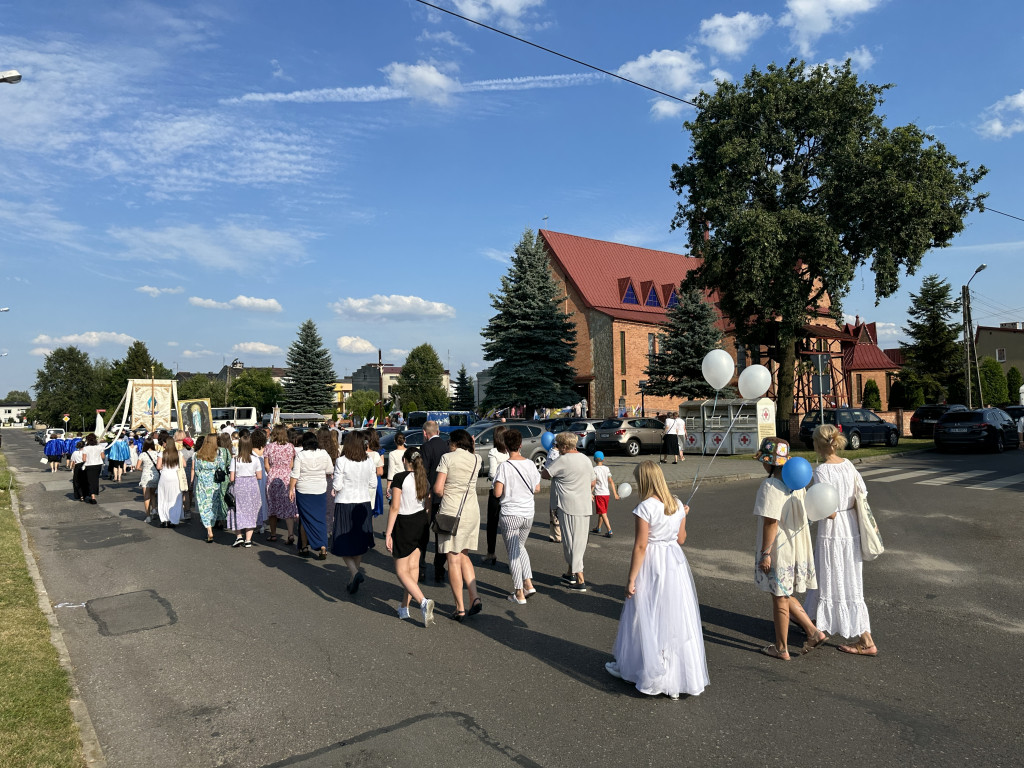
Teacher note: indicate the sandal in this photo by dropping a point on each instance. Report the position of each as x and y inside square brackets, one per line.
[291, 540]
[775, 653]
[457, 615]
[810, 645]
[513, 599]
[859, 649]
[209, 539]
[475, 608]
[321, 554]
[304, 552]
[273, 537]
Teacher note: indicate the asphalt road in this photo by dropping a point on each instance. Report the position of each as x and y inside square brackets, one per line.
[191, 654]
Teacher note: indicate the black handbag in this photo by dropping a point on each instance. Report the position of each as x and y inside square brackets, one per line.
[229, 499]
[219, 475]
[447, 524]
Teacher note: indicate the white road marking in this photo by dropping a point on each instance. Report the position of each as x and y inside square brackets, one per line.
[878, 471]
[904, 476]
[1003, 482]
[945, 480]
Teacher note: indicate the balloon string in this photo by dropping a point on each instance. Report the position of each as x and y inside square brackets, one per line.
[703, 453]
[696, 485]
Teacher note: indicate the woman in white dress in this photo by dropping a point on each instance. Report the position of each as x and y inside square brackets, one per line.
[168, 492]
[785, 559]
[660, 644]
[837, 605]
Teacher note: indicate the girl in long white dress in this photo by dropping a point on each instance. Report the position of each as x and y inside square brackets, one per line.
[168, 492]
[660, 643]
[838, 602]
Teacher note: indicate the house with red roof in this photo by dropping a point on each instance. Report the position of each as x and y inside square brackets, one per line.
[864, 360]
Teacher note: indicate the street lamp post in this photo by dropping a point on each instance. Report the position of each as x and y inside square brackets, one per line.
[10, 76]
[965, 301]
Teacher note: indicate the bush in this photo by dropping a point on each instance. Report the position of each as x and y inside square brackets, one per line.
[1014, 380]
[872, 397]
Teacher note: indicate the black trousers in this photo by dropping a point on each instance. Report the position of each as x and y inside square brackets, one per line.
[440, 559]
[92, 479]
[493, 515]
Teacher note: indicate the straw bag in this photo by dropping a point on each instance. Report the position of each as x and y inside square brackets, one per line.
[870, 539]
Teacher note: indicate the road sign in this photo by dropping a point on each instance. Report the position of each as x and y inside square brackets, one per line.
[66, 418]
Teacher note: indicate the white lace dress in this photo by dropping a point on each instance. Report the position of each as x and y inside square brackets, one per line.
[837, 606]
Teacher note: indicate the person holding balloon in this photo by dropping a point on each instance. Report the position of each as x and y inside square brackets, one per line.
[785, 557]
[660, 644]
[838, 602]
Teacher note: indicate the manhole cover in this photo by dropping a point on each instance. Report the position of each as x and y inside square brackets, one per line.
[131, 612]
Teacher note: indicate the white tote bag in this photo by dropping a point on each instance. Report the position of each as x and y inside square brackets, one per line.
[870, 539]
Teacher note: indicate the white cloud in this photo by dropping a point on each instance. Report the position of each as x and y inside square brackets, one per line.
[371, 93]
[194, 353]
[154, 291]
[861, 59]
[39, 221]
[679, 73]
[235, 245]
[257, 348]
[732, 35]
[172, 344]
[398, 353]
[663, 108]
[1004, 118]
[195, 301]
[354, 345]
[810, 19]
[392, 307]
[446, 37]
[887, 332]
[277, 71]
[40, 351]
[422, 81]
[87, 339]
[498, 255]
[505, 13]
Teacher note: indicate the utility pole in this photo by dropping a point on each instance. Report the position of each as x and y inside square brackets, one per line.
[964, 301]
[380, 382]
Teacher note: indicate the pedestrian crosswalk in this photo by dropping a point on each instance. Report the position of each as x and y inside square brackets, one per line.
[942, 476]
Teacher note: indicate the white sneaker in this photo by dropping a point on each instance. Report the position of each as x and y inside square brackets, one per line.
[403, 612]
[427, 608]
[612, 668]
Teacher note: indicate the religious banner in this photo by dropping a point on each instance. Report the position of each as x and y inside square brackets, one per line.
[194, 417]
[151, 403]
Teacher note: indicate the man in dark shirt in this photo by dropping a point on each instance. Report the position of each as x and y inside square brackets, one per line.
[433, 449]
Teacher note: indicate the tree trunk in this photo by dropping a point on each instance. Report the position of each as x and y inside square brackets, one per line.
[787, 368]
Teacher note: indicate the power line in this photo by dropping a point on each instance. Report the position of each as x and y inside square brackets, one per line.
[554, 52]
[599, 69]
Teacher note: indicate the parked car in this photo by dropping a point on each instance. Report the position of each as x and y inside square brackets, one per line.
[560, 424]
[990, 428]
[860, 426]
[533, 449]
[629, 435]
[53, 432]
[922, 423]
[413, 439]
[1015, 412]
[586, 433]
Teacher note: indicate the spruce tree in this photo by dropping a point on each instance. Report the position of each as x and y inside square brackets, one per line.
[422, 380]
[530, 340]
[934, 354]
[465, 397]
[691, 333]
[310, 383]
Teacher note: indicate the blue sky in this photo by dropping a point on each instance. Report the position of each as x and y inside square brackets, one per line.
[205, 177]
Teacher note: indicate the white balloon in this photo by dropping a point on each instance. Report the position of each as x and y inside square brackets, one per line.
[625, 489]
[717, 368]
[821, 501]
[754, 381]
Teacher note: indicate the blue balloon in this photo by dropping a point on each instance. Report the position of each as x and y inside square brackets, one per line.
[547, 440]
[797, 473]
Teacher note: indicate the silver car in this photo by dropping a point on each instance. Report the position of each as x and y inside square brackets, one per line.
[533, 449]
[586, 434]
[630, 435]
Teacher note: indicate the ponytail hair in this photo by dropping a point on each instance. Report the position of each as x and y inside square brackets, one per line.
[828, 440]
[415, 460]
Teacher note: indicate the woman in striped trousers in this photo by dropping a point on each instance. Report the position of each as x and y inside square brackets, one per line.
[515, 482]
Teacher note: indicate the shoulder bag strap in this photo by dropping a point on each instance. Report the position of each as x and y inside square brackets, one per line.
[471, 485]
[521, 476]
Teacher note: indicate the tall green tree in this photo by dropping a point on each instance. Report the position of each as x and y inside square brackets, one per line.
[465, 397]
[256, 387]
[530, 341]
[934, 354]
[16, 396]
[993, 382]
[65, 384]
[362, 404]
[1014, 381]
[691, 333]
[792, 183]
[310, 383]
[200, 387]
[422, 380]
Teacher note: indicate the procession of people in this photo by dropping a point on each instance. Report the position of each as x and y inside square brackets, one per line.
[328, 486]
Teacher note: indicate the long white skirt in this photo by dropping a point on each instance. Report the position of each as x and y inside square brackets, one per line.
[660, 644]
[168, 497]
[837, 605]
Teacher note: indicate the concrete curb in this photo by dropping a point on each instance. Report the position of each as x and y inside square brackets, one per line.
[94, 756]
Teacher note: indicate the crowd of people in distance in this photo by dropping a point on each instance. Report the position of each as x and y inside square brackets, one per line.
[327, 486]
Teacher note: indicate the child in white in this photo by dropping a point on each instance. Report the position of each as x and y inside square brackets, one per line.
[602, 481]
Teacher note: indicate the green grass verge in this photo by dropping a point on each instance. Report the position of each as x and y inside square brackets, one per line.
[906, 444]
[38, 728]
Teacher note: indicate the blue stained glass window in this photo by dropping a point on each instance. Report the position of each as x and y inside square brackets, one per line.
[630, 297]
[652, 298]
[673, 299]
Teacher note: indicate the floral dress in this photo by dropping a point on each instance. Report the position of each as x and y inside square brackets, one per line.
[205, 490]
[792, 553]
[278, 462]
[220, 509]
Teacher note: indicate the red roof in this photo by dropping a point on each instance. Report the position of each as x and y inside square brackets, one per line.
[867, 357]
[896, 355]
[602, 271]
